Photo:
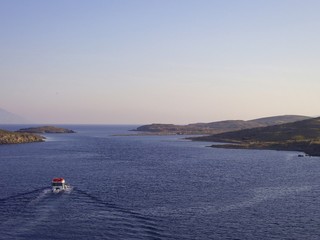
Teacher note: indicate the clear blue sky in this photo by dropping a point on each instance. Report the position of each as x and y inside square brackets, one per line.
[169, 61]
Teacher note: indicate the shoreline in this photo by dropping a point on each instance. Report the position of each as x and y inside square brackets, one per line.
[310, 149]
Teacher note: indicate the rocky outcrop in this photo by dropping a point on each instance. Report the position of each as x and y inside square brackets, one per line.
[7, 137]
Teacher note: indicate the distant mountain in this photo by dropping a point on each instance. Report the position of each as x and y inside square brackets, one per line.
[11, 118]
[297, 136]
[220, 126]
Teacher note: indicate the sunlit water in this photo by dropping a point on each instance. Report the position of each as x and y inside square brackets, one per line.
[154, 188]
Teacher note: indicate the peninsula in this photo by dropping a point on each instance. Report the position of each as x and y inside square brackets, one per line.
[217, 127]
[303, 136]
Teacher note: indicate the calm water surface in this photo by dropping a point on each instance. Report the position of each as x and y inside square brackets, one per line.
[154, 188]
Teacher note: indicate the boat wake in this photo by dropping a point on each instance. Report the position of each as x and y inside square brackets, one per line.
[122, 223]
[72, 214]
[20, 195]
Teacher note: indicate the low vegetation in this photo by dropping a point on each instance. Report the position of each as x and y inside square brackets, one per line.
[298, 136]
[28, 135]
[218, 127]
[8, 137]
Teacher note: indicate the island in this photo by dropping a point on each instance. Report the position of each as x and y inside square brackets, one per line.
[302, 136]
[45, 129]
[8, 137]
[216, 127]
[28, 135]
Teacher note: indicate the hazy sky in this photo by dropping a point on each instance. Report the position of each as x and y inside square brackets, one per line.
[169, 61]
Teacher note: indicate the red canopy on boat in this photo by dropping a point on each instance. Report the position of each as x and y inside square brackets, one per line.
[58, 180]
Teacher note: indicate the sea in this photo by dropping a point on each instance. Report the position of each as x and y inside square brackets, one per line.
[154, 187]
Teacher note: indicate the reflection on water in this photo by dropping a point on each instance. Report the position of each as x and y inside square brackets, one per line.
[154, 188]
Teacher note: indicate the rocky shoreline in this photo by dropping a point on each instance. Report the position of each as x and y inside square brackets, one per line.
[301, 136]
[7, 137]
[29, 135]
[308, 147]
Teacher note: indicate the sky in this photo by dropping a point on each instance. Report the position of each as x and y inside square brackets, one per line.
[159, 61]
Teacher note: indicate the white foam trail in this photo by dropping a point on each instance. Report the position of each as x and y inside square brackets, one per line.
[38, 211]
[68, 190]
[42, 195]
[291, 155]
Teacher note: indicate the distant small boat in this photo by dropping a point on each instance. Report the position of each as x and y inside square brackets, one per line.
[58, 185]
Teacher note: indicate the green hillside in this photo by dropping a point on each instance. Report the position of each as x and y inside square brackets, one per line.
[298, 136]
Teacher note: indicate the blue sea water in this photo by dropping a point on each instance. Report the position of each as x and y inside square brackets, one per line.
[154, 187]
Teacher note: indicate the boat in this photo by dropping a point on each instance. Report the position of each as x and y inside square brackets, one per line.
[58, 185]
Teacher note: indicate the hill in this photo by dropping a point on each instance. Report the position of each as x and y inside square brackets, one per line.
[10, 118]
[218, 127]
[297, 136]
[7, 137]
